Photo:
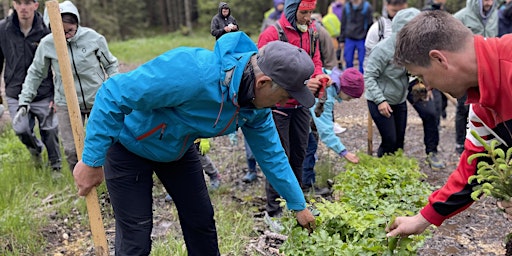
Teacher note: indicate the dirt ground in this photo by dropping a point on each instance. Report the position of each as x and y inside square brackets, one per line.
[479, 230]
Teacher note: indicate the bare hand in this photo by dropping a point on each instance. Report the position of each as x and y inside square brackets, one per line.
[404, 226]
[351, 157]
[506, 206]
[306, 219]
[314, 82]
[86, 177]
[385, 109]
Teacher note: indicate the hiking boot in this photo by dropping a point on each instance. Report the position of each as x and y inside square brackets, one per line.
[434, 162]
[274, 224]
[168, 198]
[316, 190]
[250, 176]
[215, 181]
[459, 148]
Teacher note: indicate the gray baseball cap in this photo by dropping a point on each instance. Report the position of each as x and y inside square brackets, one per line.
[290, 67]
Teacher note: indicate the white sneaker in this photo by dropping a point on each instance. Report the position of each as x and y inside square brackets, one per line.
[338, 129]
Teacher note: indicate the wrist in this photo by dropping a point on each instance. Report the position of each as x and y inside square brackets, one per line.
[343, 153]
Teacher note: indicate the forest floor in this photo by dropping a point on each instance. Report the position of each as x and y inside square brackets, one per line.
[479, 230]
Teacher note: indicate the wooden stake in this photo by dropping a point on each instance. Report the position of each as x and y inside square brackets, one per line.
[93, 206]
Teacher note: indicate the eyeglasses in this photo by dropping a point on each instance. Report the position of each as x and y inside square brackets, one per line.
[70, 32]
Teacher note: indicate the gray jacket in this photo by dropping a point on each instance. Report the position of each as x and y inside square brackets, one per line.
[384, 81]
[90, 59]
[480, 24]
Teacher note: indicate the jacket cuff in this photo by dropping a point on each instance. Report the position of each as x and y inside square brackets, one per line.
[432, 216]
[296, 206]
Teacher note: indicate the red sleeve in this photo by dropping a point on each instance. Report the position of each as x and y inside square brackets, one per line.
[317, 60]
[268, 35]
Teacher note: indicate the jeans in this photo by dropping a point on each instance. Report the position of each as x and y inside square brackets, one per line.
[251, 161]
[129, 179]
[429, 115]
[392, 129]
[48, 129]
[461, 120]
[293, 128]
[308, 167]
[348, 54]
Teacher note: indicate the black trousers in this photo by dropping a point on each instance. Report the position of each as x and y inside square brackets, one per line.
[293, 127]
[129, 179]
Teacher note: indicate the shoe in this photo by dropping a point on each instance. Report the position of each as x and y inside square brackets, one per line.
[215, 181]
[459, 148]
[168, 198]
[273, 223]
[434, 162]
[250, 176]
[338, 129]
[316, 190]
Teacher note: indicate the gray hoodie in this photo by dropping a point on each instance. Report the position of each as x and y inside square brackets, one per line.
[384, 81]
[480, 23]
[90, 59]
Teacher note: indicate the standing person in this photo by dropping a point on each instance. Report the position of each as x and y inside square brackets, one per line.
[292, 118]
[454, 60]
[336, 8]
[90, 58]
[347, 85]
[274, 15]
[424, 106]
[356, 20]
[145, 122]
[223, 22]
[20, 35]
[505, 18]
[386, 89]
[481, 16]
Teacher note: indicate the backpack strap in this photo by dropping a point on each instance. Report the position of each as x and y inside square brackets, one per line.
[313, 38]
[381, 28]
[280, 32]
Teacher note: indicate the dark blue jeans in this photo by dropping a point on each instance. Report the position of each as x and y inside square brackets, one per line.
[308, 167]
[293, 128]
[429, 115]
[461, 120]
[129, 179]
[392, 129]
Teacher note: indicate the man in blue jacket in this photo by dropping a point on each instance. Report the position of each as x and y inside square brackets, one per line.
[146, 121]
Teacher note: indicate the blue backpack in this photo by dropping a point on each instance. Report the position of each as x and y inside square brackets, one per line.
[366, 5]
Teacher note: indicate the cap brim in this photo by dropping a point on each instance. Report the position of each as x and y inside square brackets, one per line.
[303, 96]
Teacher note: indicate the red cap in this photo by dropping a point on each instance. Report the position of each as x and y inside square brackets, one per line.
[307, 5]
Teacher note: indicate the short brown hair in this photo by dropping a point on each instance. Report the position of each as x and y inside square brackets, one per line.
[430, 30]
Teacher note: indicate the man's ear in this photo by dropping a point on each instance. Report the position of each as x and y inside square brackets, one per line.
[437, 57]
[262, 81]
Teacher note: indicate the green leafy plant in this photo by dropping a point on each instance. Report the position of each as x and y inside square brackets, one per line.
[366, 195]
[494, 171]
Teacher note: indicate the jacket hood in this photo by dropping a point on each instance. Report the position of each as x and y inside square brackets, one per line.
[223, 5]
[476, 7]
[290, 11]
[65, 7]
[403, 17]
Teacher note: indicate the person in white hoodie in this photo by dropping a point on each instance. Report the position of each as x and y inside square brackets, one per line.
[91, 62]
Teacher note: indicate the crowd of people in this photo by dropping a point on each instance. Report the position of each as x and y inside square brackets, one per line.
[280, 92]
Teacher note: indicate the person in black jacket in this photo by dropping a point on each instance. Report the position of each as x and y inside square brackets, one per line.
[20, 34]
[223, 22]
[505, 18]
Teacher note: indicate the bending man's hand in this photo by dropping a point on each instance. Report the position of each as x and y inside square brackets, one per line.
[86, 177]
[404, 226]
[306, 219]
[506, 206]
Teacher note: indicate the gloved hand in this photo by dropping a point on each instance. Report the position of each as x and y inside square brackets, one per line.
[22, 112]
[204, 146]
[233, 138]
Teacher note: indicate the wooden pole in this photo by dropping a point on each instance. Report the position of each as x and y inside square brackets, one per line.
[93, 206]
[369, 149]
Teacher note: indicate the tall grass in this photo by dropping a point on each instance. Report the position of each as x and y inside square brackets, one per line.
[27, 197]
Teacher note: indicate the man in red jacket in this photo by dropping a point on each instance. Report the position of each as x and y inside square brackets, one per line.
[447, 56]
[292, 119]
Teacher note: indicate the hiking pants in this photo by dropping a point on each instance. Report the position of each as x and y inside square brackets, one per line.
[129, 179]
[293, 127]
[461, 120]
[350, 48]
[430, 118]
[392, 129]
[48, 129]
